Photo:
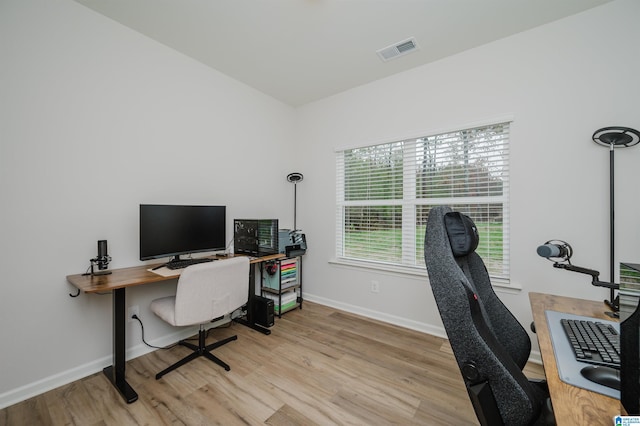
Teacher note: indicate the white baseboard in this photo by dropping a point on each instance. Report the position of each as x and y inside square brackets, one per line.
[380, 316]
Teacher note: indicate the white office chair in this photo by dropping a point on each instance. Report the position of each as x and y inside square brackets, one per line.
[205, 291]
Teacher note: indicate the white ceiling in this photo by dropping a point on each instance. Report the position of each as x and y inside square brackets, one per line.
[299, 51]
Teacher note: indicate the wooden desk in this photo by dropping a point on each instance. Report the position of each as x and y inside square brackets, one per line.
[571, 405]
[116, 283]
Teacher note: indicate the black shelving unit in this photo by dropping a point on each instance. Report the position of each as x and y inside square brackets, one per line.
[282, 282]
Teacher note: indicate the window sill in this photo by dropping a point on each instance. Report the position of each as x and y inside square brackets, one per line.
[413, 271]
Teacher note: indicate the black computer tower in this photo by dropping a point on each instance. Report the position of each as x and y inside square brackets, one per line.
[255, 237]
[262, 310]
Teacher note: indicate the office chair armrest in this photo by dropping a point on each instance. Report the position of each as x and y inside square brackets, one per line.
[484, 403]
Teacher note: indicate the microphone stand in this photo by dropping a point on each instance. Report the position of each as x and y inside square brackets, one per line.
[614, 304]
[103, 263]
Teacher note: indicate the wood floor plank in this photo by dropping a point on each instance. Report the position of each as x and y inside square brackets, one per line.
[31, 411]
[316, 407]
[319, 366]
[287, 416]
[240, 394]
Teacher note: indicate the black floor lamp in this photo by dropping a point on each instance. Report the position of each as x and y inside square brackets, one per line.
[613, 138]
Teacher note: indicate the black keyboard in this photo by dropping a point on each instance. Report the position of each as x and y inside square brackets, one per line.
[593, 342]
[179, 264]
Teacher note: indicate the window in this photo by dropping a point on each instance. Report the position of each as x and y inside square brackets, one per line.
[384, 194]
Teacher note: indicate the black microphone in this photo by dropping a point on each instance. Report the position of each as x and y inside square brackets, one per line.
[553, 250]
[103, 258]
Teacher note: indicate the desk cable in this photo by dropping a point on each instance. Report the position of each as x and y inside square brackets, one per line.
[195, 339]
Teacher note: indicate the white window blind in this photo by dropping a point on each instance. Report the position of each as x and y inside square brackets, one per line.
[384, 194]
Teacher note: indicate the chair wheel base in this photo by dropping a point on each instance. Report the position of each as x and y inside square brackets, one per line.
[200, 350]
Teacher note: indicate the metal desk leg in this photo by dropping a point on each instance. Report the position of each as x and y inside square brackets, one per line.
[115, 372]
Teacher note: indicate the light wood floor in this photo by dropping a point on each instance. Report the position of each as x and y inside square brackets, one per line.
[320, 366]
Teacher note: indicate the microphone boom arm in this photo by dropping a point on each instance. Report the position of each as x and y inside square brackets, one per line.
[594, 274]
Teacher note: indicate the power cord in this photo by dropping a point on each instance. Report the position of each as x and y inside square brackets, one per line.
[135, 317]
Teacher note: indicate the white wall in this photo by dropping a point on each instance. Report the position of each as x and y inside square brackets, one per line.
[94, 120]
[560, 82]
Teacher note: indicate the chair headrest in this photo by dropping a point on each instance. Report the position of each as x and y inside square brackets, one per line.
[462, 232]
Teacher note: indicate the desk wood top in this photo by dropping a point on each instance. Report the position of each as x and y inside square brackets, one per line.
[136, 275]
[571, 405]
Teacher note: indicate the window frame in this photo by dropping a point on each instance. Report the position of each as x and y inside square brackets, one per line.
[410, 203]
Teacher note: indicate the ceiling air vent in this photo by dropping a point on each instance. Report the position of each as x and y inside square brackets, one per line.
[398, 49]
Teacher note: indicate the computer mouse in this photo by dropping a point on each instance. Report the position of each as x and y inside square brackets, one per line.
[606, 376]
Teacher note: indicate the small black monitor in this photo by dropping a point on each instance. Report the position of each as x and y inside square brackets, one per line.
[629, 297]
[630, 363]
[174, 230]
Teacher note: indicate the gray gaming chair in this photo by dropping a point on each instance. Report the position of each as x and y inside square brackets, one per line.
[489, 344]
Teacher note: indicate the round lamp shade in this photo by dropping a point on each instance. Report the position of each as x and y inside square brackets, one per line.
[294, 177]
[618, 137]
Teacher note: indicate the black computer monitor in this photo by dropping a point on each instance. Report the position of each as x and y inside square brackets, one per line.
[630, 363]
[174, 230]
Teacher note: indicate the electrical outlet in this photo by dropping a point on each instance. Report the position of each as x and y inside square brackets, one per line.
[133, 310]
[375, 287]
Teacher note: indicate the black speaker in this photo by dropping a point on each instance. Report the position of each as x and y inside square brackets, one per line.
[263, 311]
